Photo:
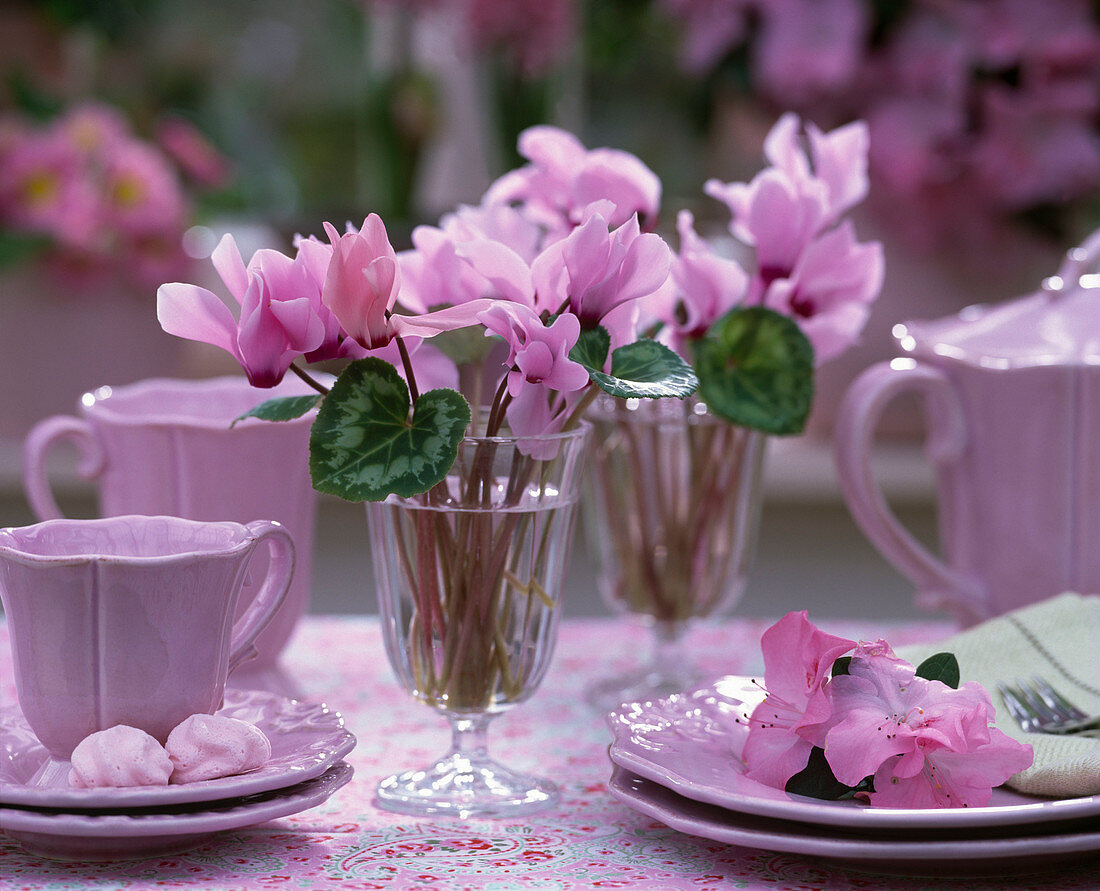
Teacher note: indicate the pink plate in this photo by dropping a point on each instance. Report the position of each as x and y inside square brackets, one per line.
[993, 851]
[306, 740]
[686, 743]
[150, 833]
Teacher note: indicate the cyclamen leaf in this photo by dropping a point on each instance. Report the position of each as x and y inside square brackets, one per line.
[940, 667]
[591, 348]
[816, 780]
[363, 445]
[756, 369]
[282, 408]
[646, 369]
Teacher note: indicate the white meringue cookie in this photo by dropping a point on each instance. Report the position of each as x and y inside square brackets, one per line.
[119, 756]
[204, 747]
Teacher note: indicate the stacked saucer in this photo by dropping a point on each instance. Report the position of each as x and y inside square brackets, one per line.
[42, 812]
[674, 761]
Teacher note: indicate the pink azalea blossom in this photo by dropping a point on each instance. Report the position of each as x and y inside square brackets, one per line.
[798, 658]
[594, 272]
[43, 189]
[564, 178]
[925, 743]
[142, 193]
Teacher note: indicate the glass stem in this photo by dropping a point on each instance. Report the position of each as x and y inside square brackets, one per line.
[669, 657]
[469, 737]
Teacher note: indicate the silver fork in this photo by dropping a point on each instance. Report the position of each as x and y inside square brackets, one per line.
[1038, 708]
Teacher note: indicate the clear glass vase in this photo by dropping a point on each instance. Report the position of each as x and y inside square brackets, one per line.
[469, 581]
[672, 511]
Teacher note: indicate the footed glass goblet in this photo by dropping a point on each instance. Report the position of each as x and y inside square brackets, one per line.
[672, 512]
[469, 578]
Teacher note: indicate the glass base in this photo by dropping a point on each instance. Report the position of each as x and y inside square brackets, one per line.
[641, 685]
[460, 787]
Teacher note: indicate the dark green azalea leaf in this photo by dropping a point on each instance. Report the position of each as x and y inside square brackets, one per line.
[591, 348]
[940, 667]
[282, 408]
[756, 369]
[816, 780]
[363, 445]
[18, 248]
[646, 369]
[840, 666]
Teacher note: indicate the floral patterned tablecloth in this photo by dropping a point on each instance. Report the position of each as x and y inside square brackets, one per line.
[589, 840]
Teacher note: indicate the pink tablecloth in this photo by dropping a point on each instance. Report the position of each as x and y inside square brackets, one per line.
[588, 841]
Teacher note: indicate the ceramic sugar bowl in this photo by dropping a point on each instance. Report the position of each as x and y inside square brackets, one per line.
[1012, 403]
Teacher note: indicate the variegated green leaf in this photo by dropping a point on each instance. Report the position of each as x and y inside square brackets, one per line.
[364, 446]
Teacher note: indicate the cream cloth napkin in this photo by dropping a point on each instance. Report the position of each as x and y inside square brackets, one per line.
[1058, 639]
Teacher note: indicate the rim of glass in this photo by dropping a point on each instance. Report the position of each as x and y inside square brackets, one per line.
[582, 428]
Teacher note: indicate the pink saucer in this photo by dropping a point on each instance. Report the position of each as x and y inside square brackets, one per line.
[306, 740]
[1000, 851]
[151, 833]
[685, 743]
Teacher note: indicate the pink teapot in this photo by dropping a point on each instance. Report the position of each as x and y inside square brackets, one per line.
[1012, 403]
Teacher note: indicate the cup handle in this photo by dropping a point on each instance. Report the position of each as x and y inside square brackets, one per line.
[271, 594]
[42, 437]
[938, 585]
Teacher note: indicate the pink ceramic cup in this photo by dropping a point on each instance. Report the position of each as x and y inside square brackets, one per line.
[165, 447]
[130, 620]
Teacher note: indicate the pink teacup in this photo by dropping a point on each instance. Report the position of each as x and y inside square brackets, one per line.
[166, 447]
[130, 620]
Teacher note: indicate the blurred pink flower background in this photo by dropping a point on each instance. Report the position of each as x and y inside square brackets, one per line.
[104, 203]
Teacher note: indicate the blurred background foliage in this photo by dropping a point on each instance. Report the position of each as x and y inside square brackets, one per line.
[333, 108]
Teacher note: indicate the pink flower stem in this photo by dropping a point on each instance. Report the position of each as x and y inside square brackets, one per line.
[305, 376]
[410, 378]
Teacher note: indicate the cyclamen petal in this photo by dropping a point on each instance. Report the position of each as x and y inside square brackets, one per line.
[227, 261]
[195, 313]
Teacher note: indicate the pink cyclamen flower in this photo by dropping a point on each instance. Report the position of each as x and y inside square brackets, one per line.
[809, 186]
[538, 353]
[705, 286]
[807, 49]
[564, 178]
[595, 272]
[798, 659]
[362, 285]
[281, 315]
[443, 270]
[830, 290]
[362, 282]
[926, 744]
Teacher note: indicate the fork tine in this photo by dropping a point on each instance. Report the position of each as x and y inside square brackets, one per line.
[1034, 703]
[1056, 700]
[1016, 706]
